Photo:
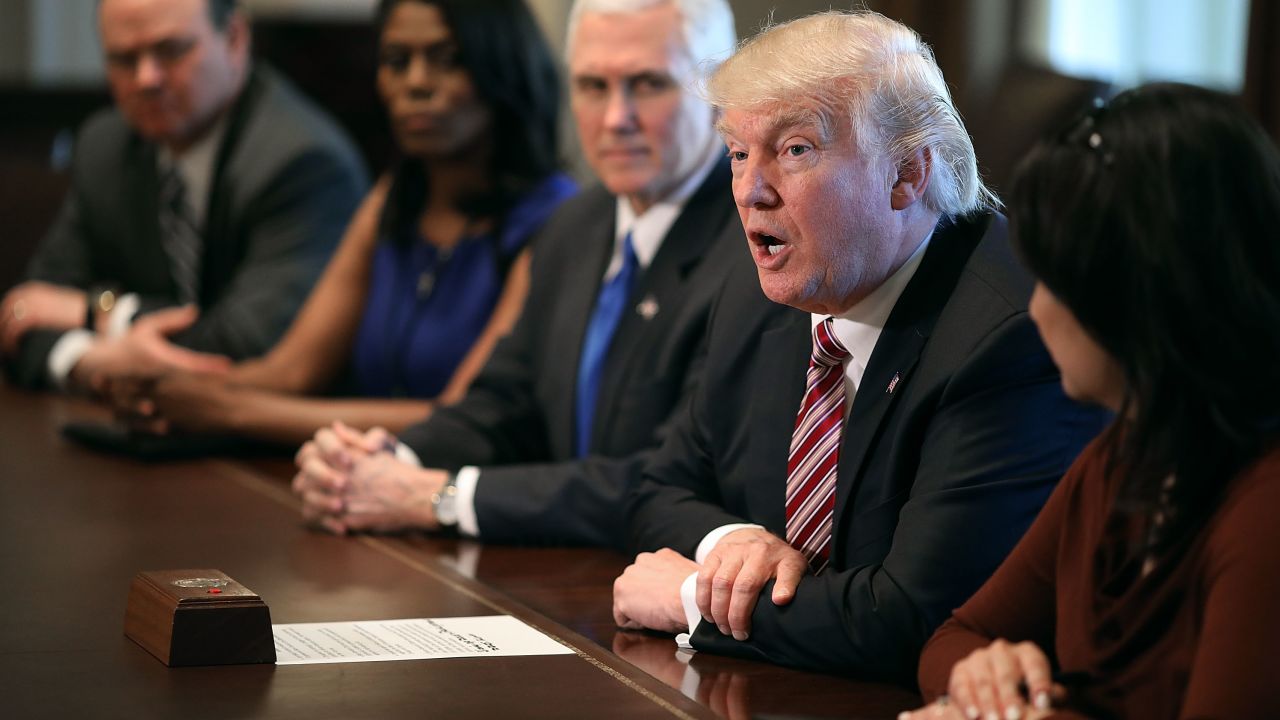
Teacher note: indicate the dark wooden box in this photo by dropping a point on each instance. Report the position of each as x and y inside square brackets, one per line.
[198, 617]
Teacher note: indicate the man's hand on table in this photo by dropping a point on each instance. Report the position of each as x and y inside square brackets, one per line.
[731, 577]
[351, 481]
[36, 304]
[145, 352]
[647, 594]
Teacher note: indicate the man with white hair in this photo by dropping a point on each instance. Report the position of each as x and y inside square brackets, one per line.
[554, 430]
[878, 421]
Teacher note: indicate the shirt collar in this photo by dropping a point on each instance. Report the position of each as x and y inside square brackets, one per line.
[195, 165]
[859, 327]
[650, 227]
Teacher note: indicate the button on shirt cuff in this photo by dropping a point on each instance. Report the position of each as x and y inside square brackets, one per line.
[689, 598]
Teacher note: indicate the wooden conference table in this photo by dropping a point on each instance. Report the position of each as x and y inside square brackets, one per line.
[76, 526]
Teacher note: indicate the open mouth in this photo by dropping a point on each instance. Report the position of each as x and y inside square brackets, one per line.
[768, 245]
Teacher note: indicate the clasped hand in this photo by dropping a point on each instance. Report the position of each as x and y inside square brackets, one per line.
[351, 481]
[647, 594]
[145, 352]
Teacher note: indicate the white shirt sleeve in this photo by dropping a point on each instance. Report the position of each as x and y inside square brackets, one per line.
[65, 353]
[465, 501]
[689, 598]
[122, 314]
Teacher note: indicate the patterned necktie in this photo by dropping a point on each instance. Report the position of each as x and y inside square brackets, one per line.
[815, 450]
[604, 322]
[180, 236]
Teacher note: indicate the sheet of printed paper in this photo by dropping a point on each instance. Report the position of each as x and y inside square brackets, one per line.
[413, 639]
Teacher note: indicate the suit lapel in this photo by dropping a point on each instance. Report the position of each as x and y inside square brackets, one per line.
[221, 251]
[776, 393]
[898, 349]
[652, 307]
[578, 284]
[143, 195]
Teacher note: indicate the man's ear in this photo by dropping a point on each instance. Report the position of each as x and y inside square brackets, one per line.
[238, 35]
[912, 180]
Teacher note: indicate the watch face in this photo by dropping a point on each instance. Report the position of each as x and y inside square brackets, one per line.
[106, 300]
[446, 512]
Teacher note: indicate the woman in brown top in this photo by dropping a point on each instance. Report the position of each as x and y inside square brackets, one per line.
[1149, 586]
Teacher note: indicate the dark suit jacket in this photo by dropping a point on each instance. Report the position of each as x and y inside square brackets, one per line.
[517, 420]
[937, 479]
[285, 182]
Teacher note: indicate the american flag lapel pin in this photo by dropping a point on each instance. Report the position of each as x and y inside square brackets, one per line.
[893, 384]
[648, 308]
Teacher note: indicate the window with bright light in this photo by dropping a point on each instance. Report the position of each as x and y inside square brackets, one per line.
[1127, 42]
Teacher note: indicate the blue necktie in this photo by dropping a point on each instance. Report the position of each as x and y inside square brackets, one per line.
[610, 304]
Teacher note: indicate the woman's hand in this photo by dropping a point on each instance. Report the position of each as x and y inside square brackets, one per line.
[191, 402]
[1003, 681]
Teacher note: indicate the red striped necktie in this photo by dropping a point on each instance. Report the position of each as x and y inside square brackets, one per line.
[815, 450]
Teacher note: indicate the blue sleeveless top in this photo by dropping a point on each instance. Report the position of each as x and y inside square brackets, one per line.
[427, 307]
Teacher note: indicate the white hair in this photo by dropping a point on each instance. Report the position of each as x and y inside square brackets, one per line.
[709, 32]
[879, 74]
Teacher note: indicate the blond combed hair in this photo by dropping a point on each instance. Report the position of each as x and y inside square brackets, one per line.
[876, 72]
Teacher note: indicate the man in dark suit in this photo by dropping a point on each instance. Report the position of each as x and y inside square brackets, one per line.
[211, 183]
[878, 421]
[556, 427]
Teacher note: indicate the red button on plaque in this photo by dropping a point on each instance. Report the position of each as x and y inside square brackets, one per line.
[215, 591]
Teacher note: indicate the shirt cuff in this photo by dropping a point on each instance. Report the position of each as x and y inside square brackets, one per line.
[122, 315]
[689, 598]
[465, 501]
[64, 355]
[713, 537]
[406, 455]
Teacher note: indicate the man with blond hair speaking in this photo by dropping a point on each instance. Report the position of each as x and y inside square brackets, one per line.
[878, 421]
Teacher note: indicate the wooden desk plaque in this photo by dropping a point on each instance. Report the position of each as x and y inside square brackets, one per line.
[198, 617]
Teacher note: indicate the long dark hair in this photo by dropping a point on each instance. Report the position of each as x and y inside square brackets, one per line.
[503, 50]
[1154, 219]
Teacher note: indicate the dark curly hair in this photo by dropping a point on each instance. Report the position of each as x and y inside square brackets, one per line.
[503, 50]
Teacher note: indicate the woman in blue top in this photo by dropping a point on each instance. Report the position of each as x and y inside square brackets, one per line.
[433, 268]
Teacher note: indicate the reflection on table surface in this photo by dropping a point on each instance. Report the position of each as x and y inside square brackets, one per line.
[75, 526]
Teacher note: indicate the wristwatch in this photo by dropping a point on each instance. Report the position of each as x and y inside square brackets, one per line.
[443, 503]
[101, 298]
